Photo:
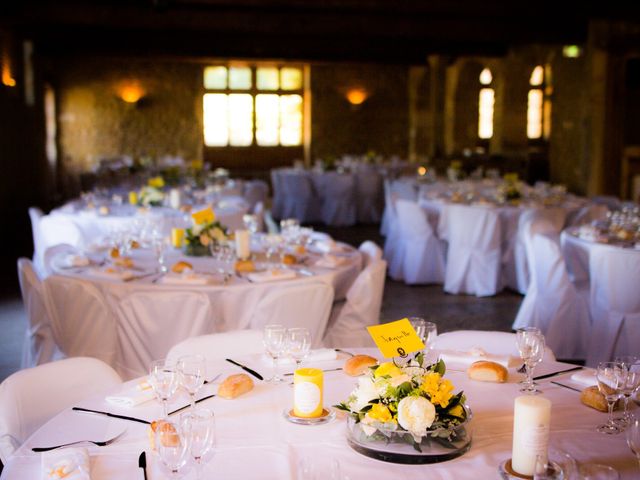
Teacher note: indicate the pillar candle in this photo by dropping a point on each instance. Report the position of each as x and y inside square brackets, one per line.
[177, 237]
[531, 418]
[133, 198]
[307, 392]
[174, 198]
[243, 244]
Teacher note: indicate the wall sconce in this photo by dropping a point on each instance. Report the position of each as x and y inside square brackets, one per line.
[357, 96]
[7, 76]
[131, 92]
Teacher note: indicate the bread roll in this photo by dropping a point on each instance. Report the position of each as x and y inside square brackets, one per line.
[181, 266]
[300, 250]
[245, 266]
[125, 262]
[485, 371]
[235, 385]
[169, 436]
[359, 364]
[114, 252]
[289, 259]
[592, 397]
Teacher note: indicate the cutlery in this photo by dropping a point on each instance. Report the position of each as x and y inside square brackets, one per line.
[142, 463]
[138, 277]
[213, 379]
[101, 443]
[344, 351]
[108, 414]
[327, 370]
[187, 406]
[566, 386]
[246, 369]
[540, 377]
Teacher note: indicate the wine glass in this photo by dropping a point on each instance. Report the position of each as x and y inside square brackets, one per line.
[631, 365]
[251, 222]
[273, 337]
[633, 437]
[163, 379]
[596, 471]
[172, 446]
[610, 376]
[191, 369]
[298, 344]
[159, 243]
[199, 427]
[530, 343]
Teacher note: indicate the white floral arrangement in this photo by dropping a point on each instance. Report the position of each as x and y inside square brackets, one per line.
[152, 194]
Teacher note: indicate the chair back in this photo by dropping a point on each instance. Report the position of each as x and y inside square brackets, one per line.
[496, 343]
[587, 214]
[54, 251]
[57, 229]
[370, 252]
[31, 397]
[219, 345]
[412, 220]
[475, 227]
[35, 214]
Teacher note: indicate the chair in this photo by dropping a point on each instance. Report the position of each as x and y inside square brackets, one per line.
[614, 302]
[496, 343]
[474, 252]
[57, 229]
[306, 304]
[54, 251]
[82, 322]
[587, 214]
[349, 320]
[338, 199]
[553, 303]
[370, 252]
[35, 214]
[145, 318]
[423, 255]
[219, 345]
[300, 200]
[39, 346]
[31, 397]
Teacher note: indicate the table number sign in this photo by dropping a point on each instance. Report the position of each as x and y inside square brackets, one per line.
[203, 217]
[396, 339]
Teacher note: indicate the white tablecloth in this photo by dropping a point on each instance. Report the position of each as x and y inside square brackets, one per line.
[256, 442]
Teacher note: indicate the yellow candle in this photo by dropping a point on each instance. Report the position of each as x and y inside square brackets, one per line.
[133, 198]
[177, 236]
[307, 392]
[531, 419]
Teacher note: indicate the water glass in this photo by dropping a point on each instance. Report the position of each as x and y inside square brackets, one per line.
[596, 471]
[173, 447]
[631, 365]
[164, 381]
[298, 344]
[199, 427]
[633, 437]
[251, 222]
[274, 339]
[530, 342]
[611, 377]
[191, 369]
[428, 332]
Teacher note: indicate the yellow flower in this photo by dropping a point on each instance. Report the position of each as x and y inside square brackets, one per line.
[439, 390]
[157, 182]
[387, 368]
[380, 413]
[457, 411]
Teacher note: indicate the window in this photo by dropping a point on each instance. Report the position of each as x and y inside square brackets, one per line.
[485, 105]
[253, 105]
[539, 104]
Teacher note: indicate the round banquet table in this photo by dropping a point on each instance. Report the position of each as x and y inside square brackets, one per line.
[255, 441]
[136, 323]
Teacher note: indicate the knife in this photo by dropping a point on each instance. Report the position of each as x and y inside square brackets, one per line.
[246, 369]
[187, 406]
[113, 415]
[540, 377]
[142, 463]
[327, 370]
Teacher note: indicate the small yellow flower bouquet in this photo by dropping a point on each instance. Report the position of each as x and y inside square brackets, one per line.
[411, 403]
[151, 195]
[206, 230]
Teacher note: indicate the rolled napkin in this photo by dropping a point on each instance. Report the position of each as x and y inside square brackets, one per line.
[585, 377]
[112, 273]
[71, 260]
[318, 355]
[271, 275]
[330, 261]
[475, 355]
[68, 463]
[132, 396]
[187, 277]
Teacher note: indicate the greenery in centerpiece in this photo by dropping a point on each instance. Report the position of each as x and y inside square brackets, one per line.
[205, 231]
[510, 190]
[151, 195]
[413, 400]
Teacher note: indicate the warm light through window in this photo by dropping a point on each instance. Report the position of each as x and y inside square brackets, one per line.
[538, 104]
[485, 110]
[534, 113]
[216, 120]
[291, 120]
[267, 119]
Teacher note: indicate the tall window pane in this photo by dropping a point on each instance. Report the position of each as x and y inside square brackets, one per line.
[267, 78]
[215, 77]
[240, 78]
[240, 119]
[290, 120]
[216, 125]
[485, 107]
[267, 119]
[534, 113]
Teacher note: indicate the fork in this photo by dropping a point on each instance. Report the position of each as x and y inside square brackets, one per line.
[102, 443]
[344, 351]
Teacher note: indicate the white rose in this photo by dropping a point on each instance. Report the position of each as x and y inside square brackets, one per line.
[416, 414]
[196, 229]
[365, 392]
[399, 380]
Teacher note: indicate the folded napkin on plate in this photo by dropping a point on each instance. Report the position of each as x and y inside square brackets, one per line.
[475, 355]
[68, 463]
[271, 275]
[133, 396]
[71, 260]
[186, 277]
[585, 377]
[330, 261]
[328, 246]
[113, 273]
[318, 355]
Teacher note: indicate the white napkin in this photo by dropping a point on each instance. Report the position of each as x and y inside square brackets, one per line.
[475, 355]
[318, 355]
[330, 261]
[585, 377]
[133, 396]
[112, 273]
[68, 463]
[271, 275]
[186, 277]
[71, 260]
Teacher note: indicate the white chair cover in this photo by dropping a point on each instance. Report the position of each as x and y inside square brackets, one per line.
[552, 303]
[219, 345]
[57, 229]
[287, 305]
[145, 319]
[393, 245]
[39, 346]
[423, 256]
[614, 302]
[474, 252]
[53, 252]
[81, 320]
[587, 214]
[496, 343]
[31, 397]
[35, 214]
[300, 200]
[349, 320]
[369, 196]
[338, 199]
[255, 191]
[370, 252]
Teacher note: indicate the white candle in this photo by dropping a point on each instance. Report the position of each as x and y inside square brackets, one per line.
[531, 418]
[243, 244]
[174, 198]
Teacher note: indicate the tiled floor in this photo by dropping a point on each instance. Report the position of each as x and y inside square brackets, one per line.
[450, 312]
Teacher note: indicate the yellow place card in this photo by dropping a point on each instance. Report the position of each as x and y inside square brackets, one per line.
[204, 216]
[396, 339]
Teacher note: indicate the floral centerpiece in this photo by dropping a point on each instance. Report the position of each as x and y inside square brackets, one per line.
[454, 171]
[151, 195]
[204, 232]
[408, 414]
[510, 190]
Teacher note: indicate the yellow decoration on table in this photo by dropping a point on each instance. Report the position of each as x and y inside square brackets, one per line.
[156, 182]
[388, 368]
[177, 237]
[380, 413]
[396, 338]
[204, 216]
[307, 392]
[133, 198]
[439, 390]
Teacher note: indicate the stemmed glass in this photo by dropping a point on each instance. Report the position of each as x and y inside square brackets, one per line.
[191, 369]
[172, 446]
[428, 332]
[199, 427]
[611, 376]
[530, 343]
[273, 337]
[631, 365]
[298, 344]
[633, 436]
[159, 243]
[163, 379]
